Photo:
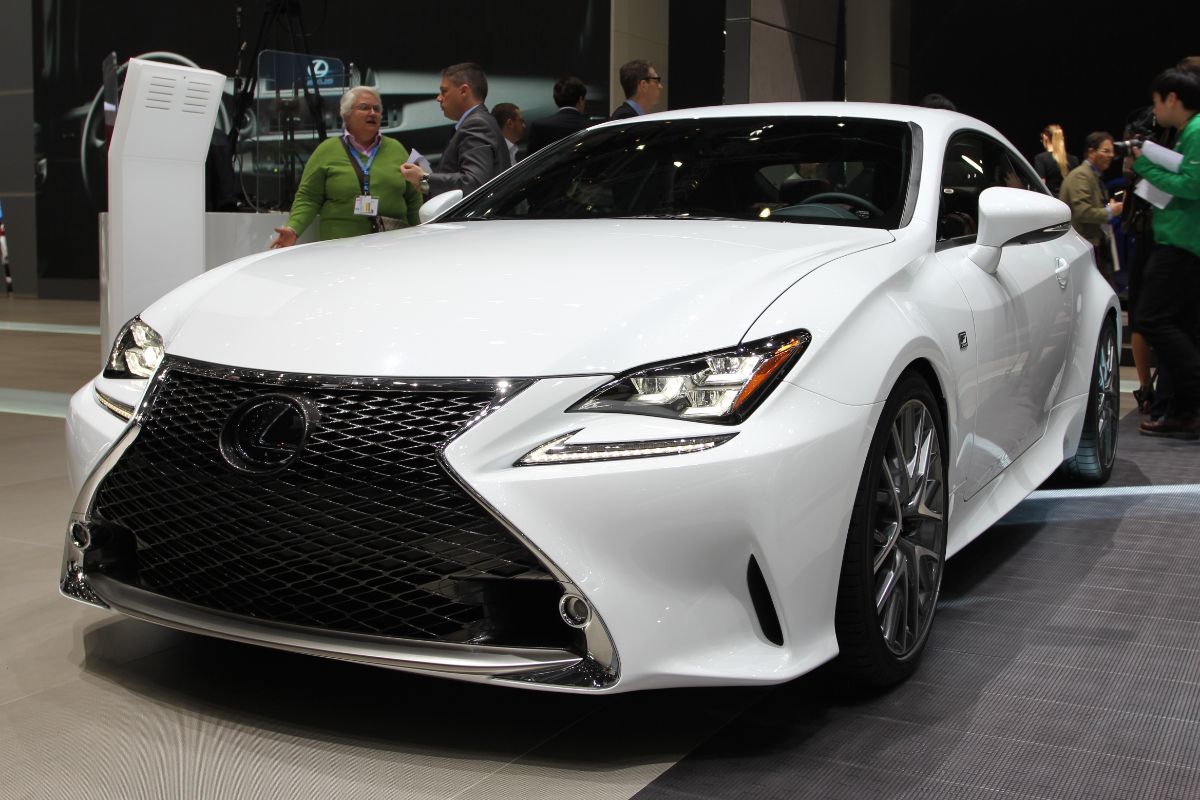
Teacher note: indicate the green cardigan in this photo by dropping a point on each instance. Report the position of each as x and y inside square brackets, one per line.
[329, 186]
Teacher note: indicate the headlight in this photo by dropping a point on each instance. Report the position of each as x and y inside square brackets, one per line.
[722, 387]
[136, 353]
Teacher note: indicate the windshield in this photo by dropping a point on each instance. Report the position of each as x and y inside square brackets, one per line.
[825, 170]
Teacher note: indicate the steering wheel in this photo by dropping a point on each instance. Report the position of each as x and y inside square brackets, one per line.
[842, 197]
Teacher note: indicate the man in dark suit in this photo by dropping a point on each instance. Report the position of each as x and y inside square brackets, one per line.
[642, 86]
[476, 152]
[569, 95]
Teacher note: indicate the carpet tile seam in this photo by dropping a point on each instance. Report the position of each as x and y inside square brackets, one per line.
[1061, 607]
[924, 777]
[1143, 592]
[1077, 635]
[1063, 703]
[1021, 660]
[1030, 742]
[1108, 548]
[1019, 557]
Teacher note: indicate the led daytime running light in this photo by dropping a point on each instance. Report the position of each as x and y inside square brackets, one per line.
[117, 408]
[560, 451]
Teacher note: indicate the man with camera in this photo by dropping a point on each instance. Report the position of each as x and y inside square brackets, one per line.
[1091, 209]
[1170, 292]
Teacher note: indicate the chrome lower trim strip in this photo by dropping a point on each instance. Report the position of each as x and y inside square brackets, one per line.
[405, 654]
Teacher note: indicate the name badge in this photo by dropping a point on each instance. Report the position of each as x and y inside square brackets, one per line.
[366, 206]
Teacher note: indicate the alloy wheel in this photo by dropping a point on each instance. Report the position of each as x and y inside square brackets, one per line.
[909, 529]
[1107, 399]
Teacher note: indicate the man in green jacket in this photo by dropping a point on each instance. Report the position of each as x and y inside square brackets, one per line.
[1091, 209]
[1170, 294]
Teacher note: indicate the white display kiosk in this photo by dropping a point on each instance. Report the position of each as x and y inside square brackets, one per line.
[155, 237]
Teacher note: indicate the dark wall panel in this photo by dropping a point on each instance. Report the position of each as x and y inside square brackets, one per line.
[1033, 63]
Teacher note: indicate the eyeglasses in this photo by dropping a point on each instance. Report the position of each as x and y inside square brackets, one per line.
[655, 78]
[378, 109]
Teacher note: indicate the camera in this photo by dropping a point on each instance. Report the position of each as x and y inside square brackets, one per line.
[1139, 128]
[1125, 147]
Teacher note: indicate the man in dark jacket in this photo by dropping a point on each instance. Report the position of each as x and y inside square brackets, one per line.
[569, 95]
[476, 152]
[1092, 212]
[643, 89]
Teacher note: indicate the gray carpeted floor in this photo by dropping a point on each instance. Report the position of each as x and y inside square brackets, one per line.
[1064, 664]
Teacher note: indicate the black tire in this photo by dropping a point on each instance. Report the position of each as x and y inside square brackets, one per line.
[1093, 461]
[897, 538]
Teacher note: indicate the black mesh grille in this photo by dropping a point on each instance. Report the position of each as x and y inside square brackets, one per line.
[364, 532]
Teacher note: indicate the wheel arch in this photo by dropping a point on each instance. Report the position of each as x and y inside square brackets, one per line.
[924, 367]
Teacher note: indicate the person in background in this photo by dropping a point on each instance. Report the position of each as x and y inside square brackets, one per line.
[642, 86]
[935, 100]
[1170, 292]
[512, 126]
[1053, 163]
[569, 95]
[1155, 390]
[1091, 209]
[353, 181]
[476, 152]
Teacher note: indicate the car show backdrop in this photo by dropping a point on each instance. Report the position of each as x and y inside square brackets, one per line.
[524, 47]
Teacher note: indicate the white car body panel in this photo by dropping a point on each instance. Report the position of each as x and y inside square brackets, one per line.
[659, 546]
[497, 298]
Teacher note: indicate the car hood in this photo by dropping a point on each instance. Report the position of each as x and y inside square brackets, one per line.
[500, 298]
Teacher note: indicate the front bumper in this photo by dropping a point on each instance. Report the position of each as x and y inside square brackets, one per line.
[659, 547]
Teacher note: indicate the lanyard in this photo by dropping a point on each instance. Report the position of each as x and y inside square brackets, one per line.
[362, 171]
[366, 168]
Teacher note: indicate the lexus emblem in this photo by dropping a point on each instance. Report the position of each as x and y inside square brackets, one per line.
[266, 434]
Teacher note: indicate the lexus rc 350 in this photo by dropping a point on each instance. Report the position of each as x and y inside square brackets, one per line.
[704, 397]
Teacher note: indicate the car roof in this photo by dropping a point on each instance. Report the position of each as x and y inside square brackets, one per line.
[929, 119]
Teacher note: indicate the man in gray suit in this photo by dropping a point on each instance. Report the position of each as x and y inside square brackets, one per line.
[476, 152]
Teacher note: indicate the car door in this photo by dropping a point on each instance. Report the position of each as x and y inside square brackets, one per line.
[1022, 314]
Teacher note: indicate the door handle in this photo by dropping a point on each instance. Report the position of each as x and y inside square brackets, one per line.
[1062, 271]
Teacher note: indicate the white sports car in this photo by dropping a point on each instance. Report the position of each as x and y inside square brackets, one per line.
[705, 397]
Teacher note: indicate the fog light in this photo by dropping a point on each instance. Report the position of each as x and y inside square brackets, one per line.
[81, 537]
[574, 610]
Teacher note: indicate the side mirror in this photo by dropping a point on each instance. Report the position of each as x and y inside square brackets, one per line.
[434, 206]
[1015, 216]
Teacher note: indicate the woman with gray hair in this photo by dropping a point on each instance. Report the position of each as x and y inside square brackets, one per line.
[354, 181]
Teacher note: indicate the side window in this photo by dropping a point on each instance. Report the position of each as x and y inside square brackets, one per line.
[975, 162]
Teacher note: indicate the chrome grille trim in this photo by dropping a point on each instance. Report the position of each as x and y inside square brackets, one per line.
[599, 669]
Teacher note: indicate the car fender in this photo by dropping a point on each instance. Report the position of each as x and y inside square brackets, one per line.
[872, 315]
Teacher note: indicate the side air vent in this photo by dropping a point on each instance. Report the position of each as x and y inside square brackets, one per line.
[161, 92]
[764, 607]
[196, 98]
